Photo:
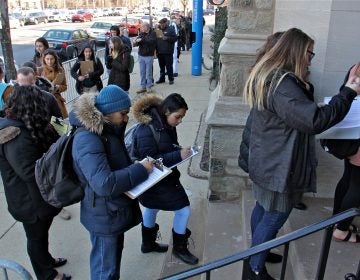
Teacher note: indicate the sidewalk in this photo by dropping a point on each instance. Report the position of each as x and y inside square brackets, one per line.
[69, 239]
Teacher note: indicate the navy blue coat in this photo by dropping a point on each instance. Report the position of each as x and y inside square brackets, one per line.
[168, 194]
[101, 160]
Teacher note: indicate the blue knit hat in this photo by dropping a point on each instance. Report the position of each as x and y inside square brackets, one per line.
[112, 99]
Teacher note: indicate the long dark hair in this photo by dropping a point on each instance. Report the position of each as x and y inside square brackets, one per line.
[28, 104]
[172, 103]
[57, 65]
[44, 42]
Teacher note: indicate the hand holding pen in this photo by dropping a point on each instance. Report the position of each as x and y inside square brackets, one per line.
[185, 152]
[148, 164]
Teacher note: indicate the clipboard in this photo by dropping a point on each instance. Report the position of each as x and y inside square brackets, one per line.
[159, 33]
[155, 176]
[86, 67]
[59, 79]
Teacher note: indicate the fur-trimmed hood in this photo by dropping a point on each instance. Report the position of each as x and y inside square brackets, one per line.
[86, 114]
[141, 107]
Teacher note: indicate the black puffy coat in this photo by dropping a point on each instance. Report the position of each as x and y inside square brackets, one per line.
[119, 74]
[18, 155]
[94, 77]
[168, 194]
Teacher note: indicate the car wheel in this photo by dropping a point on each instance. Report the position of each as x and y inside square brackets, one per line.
[36, 21]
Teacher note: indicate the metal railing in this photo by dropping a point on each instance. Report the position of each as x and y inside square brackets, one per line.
[285, 240]
[70, 94]
[14, 266]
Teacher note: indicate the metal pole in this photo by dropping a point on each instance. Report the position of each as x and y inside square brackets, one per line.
[150, 14]
[197, 27]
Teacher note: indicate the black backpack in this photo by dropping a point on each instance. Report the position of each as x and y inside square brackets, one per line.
[130, 139]
[55, 176]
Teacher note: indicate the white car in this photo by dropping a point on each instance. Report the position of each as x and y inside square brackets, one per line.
[13, 22]
[100, 30]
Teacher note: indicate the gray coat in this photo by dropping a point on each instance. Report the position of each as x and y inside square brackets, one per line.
[282, 147]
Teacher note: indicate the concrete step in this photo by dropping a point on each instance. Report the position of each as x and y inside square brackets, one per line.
[224, 237]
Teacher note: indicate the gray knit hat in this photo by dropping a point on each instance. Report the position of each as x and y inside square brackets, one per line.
[112, 99]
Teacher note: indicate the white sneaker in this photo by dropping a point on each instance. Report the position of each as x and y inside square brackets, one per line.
[65, 214]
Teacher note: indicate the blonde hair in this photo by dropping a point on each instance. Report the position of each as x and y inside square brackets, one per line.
[289, 55]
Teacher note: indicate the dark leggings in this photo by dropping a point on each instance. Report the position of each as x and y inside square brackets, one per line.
[347, 193]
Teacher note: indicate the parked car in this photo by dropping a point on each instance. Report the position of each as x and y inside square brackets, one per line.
[100, 30]
[18, 16]
[120, 11]
[13, 22]
[57, 16]
[82, 16]
[132, 24]
[36, 18]
[68, 43]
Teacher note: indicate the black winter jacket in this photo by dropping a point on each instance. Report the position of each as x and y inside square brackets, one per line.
[18, 154]
[282, 147]
[165, 45]
[168, 194]
[147, 45]
[119, 74]
[94, 77]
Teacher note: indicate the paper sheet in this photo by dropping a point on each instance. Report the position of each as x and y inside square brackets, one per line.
[194, 151]
[155, 176]
[348, 128]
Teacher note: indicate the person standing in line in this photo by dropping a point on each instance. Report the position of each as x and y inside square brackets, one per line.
[53, 71]
[147, 45]
[101, 161]
[25, 134]
[165, 39]
[115, 31]
[91, 80]
[168, 195]
[41, 45]
[118, 61]
[27, 77]
[176, 44]
[282, 163]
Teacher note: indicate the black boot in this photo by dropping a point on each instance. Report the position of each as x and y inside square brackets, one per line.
[148, 240]
[180, 248]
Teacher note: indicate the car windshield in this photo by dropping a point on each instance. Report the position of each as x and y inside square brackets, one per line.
[58, 34]
[101, 25]
[33, 14]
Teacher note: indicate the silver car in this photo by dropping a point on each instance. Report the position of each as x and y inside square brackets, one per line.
[100, 30]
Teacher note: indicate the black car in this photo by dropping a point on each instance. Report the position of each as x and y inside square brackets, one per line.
[69, 42]
[36, 18]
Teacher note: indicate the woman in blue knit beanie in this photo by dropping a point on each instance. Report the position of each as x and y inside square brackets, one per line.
[101, 160]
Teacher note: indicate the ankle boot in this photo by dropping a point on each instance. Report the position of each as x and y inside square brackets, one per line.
[148, 240]
[180, 248]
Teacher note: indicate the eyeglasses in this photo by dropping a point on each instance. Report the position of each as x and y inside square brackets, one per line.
[312, 54]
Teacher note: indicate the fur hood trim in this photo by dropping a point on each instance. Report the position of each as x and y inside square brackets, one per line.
[87, 113]
[9, 133]
[142, 104]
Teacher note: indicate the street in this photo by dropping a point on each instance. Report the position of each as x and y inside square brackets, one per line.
[23, 39]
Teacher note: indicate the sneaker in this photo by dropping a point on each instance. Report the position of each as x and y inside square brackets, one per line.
[300, 206]
[171, 82]
[64, 214]
[142, 90]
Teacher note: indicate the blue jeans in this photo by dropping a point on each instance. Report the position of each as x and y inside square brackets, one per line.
[264, 227]
[180, 222]
[146, 68]
[105, 256]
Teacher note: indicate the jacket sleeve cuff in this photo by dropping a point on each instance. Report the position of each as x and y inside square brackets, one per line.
[348, 93]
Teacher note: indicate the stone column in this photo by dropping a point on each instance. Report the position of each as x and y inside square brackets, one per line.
[249, 23]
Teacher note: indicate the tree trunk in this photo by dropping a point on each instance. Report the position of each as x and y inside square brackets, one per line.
[5, 40]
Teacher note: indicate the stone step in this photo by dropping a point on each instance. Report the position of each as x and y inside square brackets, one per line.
[224, 237]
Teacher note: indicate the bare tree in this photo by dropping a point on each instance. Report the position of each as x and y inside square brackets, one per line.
[5, 40]
[184, 3]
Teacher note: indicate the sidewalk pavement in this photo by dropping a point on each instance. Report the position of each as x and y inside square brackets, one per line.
[69, 239]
